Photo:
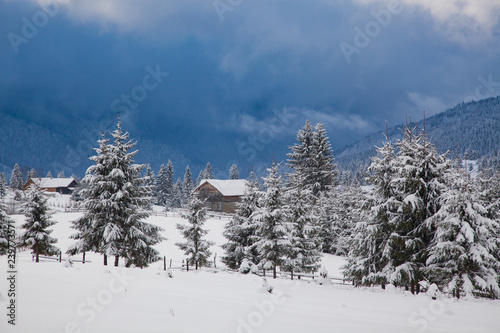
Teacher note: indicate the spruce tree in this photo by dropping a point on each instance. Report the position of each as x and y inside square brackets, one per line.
[61, 174]
[209, 173]
[169, 186]
[323, 173]
[464, 250]
[16, 178]
[114, 202]
[272, 233]
[240, 231]
[49, 175]
[32, 174]
[187, 184]
[36, 236]
[303, 255]
[201, 176]
[178, 200]
[195, 246]
[233, 172]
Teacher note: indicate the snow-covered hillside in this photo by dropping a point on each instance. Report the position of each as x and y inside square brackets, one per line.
[93, 298]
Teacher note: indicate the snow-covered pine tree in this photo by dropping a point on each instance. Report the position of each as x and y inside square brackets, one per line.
[149, 179]
[169, 186]
[36, 236]
[126, 234]
[195, 246]
[240, 231]
[3, 185]
[273, 241]
[233, 172]
[209, 172]
[49, 174]
[304, 253]
[300, 156]
[323, 173]
[488, 184]
[161, 186]
[5, 229]
[419, 183]
[61, 174]
[368, 262]
[16, 178]
[187, 184]
[178, 200]
[464, 250]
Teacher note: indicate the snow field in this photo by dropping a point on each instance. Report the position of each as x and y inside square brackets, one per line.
[94, 298]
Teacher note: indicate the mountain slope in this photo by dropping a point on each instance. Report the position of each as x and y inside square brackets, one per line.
[472, 128]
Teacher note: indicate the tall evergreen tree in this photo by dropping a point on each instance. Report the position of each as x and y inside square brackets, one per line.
[61, 174]
[233, 172]
[240, 231]
[323, 174]
[272, 232]
[161, 186]
[187, 184]
[49, 174]
[201, 176]
[16, 178]
[36, 236]
[209, 172]
[303, 255]
[195, 246]
[112, 223]
[464, 250]
[170, 186]
[32, 174]
[178, 200]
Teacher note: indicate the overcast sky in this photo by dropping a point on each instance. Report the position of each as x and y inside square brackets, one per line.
[237, 66]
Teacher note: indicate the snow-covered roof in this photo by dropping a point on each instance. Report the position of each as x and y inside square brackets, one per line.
[52, 182]
[228, 188]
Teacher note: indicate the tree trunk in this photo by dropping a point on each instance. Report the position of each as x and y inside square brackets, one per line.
[83, 260]
[105, 260]
[274, 272]
[116, 260]
[37, 259]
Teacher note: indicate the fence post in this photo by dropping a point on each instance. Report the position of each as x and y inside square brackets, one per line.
[83, 260]
[170, 264]
[187, 265]
[164, 263]
[60, 256]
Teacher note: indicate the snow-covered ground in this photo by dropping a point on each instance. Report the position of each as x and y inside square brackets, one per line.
[93, 298]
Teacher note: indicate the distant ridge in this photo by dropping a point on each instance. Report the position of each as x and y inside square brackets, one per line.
[472, 128]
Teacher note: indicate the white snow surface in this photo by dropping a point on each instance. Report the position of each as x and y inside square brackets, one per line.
[54, 298]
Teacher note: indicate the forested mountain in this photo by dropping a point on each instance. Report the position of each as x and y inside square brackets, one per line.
[472, 129]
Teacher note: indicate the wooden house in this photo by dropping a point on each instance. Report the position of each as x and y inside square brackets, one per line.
[53, 185]
[221, 195]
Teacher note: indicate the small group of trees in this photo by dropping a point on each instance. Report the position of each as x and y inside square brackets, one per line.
[279, 227]
[426, 219]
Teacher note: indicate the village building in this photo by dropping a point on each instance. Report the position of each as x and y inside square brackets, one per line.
[53, 185]
[221, 195]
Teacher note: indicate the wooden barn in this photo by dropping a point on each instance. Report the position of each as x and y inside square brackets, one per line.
[221, 195]
[53, 185]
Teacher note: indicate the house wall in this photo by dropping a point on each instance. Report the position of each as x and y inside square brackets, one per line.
[215, 201]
